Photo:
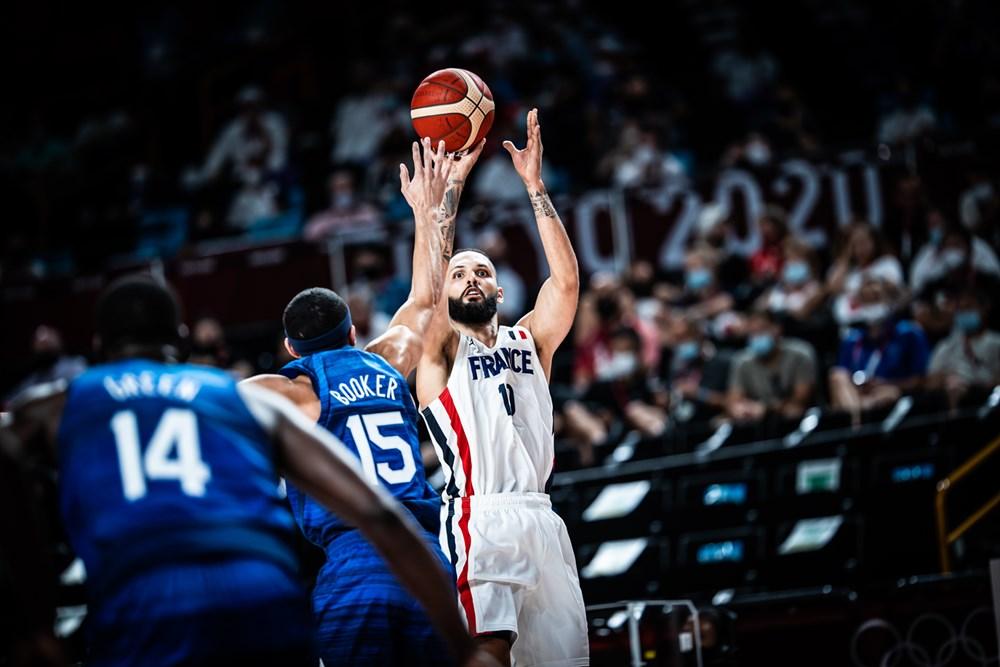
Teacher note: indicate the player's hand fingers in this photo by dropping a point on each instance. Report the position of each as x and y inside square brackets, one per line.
[509, 146]
[439, 156]
[474, 154]
[427, 154]
[416, 159]
[404, 178]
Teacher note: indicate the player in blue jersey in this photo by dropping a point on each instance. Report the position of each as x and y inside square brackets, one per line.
[168, 478]
[364, 616]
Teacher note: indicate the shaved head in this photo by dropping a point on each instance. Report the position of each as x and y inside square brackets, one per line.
[470, 257]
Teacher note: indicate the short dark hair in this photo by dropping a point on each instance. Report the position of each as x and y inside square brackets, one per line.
[137, 309]
[475, 250]
[313, 312]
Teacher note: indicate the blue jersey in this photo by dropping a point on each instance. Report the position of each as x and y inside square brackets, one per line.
[366, 403]
[363, 615]
[168, 493]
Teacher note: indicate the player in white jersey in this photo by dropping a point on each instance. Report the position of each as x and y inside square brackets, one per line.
[484, 394]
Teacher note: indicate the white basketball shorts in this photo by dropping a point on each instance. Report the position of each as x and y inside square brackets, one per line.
[517, 573]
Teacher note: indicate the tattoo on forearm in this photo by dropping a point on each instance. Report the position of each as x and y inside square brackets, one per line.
[446, 217]
[542, 204]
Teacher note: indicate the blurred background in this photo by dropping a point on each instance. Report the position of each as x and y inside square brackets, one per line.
[786, 217]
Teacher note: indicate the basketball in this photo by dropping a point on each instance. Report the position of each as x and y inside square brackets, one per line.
[454, 105]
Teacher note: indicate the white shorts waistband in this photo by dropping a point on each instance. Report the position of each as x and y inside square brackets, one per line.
[519, 499]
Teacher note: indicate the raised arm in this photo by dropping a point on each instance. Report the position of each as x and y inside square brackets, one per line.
[557, 299]
[322, 467]
[433, 194]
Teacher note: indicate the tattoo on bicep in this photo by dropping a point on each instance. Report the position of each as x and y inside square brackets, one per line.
[542, 204]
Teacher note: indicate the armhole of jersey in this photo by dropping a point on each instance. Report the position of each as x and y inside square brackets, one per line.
[319, 385]
[531, 340]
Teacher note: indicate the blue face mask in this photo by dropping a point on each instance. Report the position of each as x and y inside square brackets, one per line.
[936, 235]
[697, 279]
[968, 321]
[796, 273]
[761, 345]
[688, 350]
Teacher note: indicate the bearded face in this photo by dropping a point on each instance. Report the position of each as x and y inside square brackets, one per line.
[472, 288]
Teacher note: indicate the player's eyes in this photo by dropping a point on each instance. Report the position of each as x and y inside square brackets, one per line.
[457, 275]
[482, 274]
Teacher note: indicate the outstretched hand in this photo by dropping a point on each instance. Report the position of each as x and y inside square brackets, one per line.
[528, 161]
[431, 170]
[464, 162]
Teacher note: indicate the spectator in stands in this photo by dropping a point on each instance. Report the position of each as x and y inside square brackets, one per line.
[624, 385]
[703, 300]
[256, 140]
[941, 272]
[347, 210]
[242, 179]
[979, 204]
[698, 374]
[798, 293]
[715, 231]
[49, 362]
[767, 260]
[365, 117]
[909, 119]
[773, 374]
[949, 248]
[622, 391]
[638, 159]
[879, 360]
[967, 363]
[862, 258]
[604, 308]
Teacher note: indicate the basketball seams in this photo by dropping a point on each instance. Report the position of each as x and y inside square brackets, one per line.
[470, 111]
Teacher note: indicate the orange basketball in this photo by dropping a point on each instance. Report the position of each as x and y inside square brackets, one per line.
[455, 105]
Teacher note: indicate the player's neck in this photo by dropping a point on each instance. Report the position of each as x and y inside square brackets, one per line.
[485, 333]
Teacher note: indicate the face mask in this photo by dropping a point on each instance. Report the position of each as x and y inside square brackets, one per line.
[953, 258]
[698, 279]
[968, 321]
[873, 314]
[761, 344]
[688, 351]
[796, 273]
[936, 235]
[621, 365]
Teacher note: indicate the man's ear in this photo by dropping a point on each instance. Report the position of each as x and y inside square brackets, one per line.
[499, 295]
[291, 350]
[352, 336]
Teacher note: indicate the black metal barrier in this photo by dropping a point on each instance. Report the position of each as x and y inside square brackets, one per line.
[840, 508]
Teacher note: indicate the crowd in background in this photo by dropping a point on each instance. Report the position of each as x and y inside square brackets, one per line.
[281, 134]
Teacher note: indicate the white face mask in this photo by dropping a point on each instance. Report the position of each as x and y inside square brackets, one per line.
[873, 314]
[620, 365]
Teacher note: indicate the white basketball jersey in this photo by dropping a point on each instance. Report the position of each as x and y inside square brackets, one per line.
[492, 424]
